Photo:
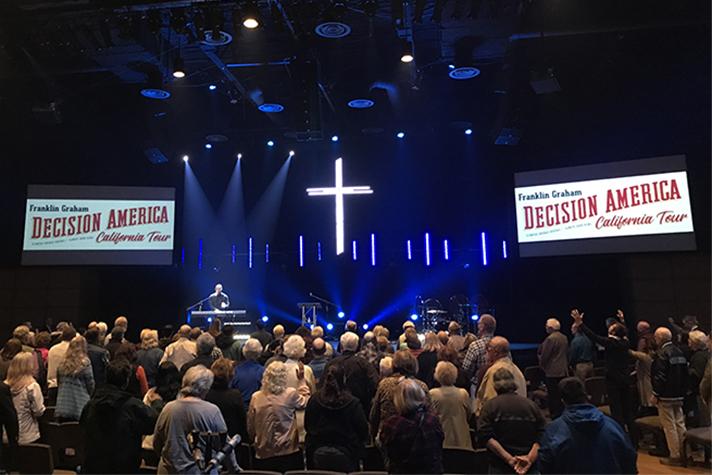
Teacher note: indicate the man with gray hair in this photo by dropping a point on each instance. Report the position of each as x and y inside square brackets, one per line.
[318, 332]
[248, 375]
[318, 363]
[204, 346]
[554, 360]
[498, 357]
[181, 351]
[360, 375]
[181, 417]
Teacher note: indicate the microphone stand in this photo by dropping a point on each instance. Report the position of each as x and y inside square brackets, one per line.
[324, 301]
[196, 304]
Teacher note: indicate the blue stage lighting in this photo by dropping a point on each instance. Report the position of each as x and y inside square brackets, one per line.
[427, 249]
[266, 252]
[233, 253]
[414, 317]
[353, 250]
[208, 145]
[474, 317]
[212, 87]
[373, 250]
[301, 251]
[446, 250]
[400, 135]
[182, 256]
[468, 131]
[265, 318]
[200, 254]
[334, 138]
[484, 249]
[318, 251]
[409, 246]
[504, 249]
[329, 326]
[342, 314]
[365, 326]
[270, 143]
[451, 66]
[185, 158]
[249, 253]
[210, 319]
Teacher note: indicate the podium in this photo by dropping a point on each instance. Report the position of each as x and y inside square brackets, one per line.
[309, 313]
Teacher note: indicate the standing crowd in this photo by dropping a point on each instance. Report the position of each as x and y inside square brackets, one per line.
[296, 398]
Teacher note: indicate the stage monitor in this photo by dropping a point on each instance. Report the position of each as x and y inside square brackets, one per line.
[90, 225]
[632, 206]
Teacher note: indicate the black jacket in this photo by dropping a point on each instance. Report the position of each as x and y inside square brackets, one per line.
[361, 377]
[669, 373]
[616, 358]
[113, 423]
[342, 425]
[232, 408]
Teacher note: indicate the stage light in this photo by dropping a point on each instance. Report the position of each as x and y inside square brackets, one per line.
[410, 250]
[291, 153]
[373, 249]
[212, 87]
[208, 145]
[233, 253]
[468, 131]
[353, 250]
[474, 317]
[252, 15]
[400, 135]
[451, 66]
[318, 251]
[406, 51]
[270, 143]
[267, 253]
[239, 156]
[329, 326]
[365, 326]
[265, 318]
[185, 158]
[301, 251]
[249, 253]
[178, 67]
[484, 249]
[446, 250]
[504, 249]
[414, 316]
[341, 314]
[210, 319]
[334, 138]
[427, 249]
[182, 255]
[200, 254]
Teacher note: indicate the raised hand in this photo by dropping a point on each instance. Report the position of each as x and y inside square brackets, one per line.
[578, 317]
[620, 315]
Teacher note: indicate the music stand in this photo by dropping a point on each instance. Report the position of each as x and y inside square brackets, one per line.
[307, 309]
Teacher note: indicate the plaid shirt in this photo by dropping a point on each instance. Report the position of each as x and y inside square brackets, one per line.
[413, 443]
[475, 357]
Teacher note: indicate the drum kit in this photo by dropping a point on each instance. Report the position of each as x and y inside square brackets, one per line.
[434, 318]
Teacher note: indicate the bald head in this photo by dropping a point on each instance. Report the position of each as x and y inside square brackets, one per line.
[643, 327]
[486, 324]
[499, 346]
[663, 335]
[184, 331]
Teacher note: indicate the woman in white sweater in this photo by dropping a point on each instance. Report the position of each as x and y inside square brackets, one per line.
[26, 396]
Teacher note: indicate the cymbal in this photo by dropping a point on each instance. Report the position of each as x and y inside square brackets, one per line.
[436, 311]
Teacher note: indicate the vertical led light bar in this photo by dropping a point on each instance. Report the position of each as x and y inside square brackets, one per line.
[233, 253]
[301, 251]
[182, 256]
[409, 246]
[427, 249]
[484, 249]
[446, 250]
[249, 253]
[318, 251]
[504, 249]
[266, 252]
[353, 250]
[200, 254]
[373, 249]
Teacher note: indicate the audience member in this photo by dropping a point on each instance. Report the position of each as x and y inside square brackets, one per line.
[114, 422]
[272, 419]
[448, 353]
[166, 337]
[181, 351]
[386, 367]
[554, 360]
[294, 350]
[497, 357]
[617, 373]
[55, 356]
[510, 426]
[581, 354]
[204, 346]
[361, 376]
[706, 385]
[412, 342]
[643, 364]
[455, 339]
[75, 381]
[443, 337]
[452, 405]
[404, 366]
[583, 440]
[168, 384]
[318, 332]
[469, 339]
[305, 335]
[42, 344]
[229, 346]
[645, 336]
[115, 340]
[98, 356]
[214, 327]
[26, 397]
[181, 417]
[412, 439]
[149, 355]
[261, 335]
[10, 425]
[369, 349]
[318, 363]
[336, 425]
[138, 384]
[380, 330]
[428, 359]
[8, 352]
[248, 375]
[698, 342]
[229, 400]
[475, 357]
[195, 333]
[384, 346]
[669, 378]
[401, 339]
[103, 331]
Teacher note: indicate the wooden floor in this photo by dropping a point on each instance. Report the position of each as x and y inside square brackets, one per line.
[649, 465]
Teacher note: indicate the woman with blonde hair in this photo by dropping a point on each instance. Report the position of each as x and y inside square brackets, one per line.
[26, 397]
[452, 405]
[272, 419]
[428, 359]
[149, 355]
[75, 381]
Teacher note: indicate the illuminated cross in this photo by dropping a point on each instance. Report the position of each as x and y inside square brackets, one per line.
[339, 191]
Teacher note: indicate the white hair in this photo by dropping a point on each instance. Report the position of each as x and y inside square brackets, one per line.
[205, 344]
[103, 328]
[386, 367]
[349, 341]
[317, 332]
[554, 324]
[274, 379]
[252, 349]
[294, 347]
[697, 340]
[197, 382]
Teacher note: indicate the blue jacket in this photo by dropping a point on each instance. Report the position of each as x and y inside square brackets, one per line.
[247, 380]
[583, 440]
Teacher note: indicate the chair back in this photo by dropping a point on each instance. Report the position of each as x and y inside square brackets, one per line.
[596, 389]
[34, 458]
[372, 459]
[67, 441]
[457, 460]
[534, 376]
